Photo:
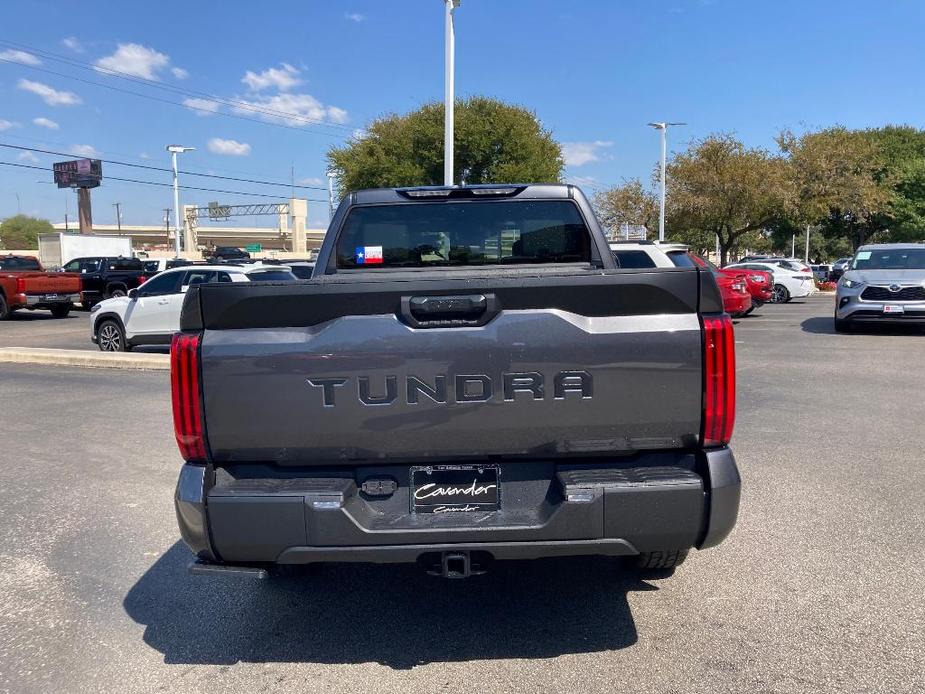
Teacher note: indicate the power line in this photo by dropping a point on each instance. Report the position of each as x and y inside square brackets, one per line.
[45, 142]
[160, 168]
[225, 101]
[173, 103]
[159, 184]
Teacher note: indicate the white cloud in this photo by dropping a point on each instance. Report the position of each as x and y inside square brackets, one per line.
[179, 73]
[284, 78]
[136, 60]
[231, 148]
[310, 181]
[27, 156]
[202, 107]
[144, 155]
[6, 125]
[355, 17]
[51, 96]
[300, 106]
[15, 56]
[45, 123]
[580, 153]
[72, 43]
[359, 133]
[83, 151]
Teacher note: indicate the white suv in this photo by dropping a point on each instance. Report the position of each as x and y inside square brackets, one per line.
[639, 255]
[150, 315]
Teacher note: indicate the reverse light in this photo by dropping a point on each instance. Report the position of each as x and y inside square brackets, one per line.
[187, 402]
[719, 380]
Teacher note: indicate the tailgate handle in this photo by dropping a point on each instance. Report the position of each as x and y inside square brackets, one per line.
[448, 311]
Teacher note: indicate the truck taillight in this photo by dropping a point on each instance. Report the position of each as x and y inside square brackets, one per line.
[142, 279]
[187, 401]
[719, 380]
[20, 285]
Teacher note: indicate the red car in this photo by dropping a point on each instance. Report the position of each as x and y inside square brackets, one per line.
[733, 285]
[760, 285]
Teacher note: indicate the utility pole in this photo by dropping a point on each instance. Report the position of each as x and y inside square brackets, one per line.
[174, 151]
[118, 206]
[449, 97]
[806, 256]
[663, 128]
[18, 205]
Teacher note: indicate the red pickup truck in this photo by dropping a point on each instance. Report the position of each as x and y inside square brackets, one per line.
[25, 284]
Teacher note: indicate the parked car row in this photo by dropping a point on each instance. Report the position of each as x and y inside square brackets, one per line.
[742, 291]
[150, 314]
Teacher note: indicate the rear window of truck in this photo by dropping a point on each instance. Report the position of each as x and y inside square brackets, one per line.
[463, 233]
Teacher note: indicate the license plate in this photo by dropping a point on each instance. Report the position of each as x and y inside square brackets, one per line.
[52, 297]
[455, 489]
[893, 309]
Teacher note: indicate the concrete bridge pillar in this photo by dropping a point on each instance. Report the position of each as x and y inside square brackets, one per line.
[298, 211]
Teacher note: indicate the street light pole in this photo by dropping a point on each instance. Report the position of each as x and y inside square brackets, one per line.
[663, 127]
[449, 97]
[174, 151]
[118, 206]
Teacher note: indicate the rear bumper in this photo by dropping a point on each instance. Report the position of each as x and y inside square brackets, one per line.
[739, 303]
[267, 514]
[42, 300]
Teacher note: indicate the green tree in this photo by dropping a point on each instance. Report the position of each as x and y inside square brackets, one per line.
[22, 232]
[495, 142]
[902, 173]
[629, 203]
[720, 188]
[907, 206]
[838, 182]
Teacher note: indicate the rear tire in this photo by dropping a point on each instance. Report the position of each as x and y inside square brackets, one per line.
[61, 310]
[781, 295]
[666, 559]
[4, 308]
[115, 292]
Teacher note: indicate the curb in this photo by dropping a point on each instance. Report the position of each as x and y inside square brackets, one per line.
[85, 358]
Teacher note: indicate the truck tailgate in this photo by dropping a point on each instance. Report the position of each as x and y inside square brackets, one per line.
[50, 282]
[338, 371]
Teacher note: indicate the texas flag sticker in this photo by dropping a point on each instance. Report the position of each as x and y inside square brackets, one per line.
[369, 255]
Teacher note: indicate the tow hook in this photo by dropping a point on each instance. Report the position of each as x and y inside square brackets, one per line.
[456, 565]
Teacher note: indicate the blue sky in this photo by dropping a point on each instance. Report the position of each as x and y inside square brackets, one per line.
[594, 71]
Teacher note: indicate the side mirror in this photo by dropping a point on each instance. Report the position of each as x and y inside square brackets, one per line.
[184, 288]
[132, 294]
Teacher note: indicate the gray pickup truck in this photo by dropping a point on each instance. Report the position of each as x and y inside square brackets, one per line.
[466, 377]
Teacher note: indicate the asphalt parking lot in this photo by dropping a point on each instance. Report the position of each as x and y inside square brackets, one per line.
[40, 329]
[819, 588]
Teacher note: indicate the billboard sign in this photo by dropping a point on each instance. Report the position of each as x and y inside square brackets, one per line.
[78, 173]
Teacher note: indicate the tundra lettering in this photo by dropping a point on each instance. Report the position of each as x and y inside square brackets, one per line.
[467, 387]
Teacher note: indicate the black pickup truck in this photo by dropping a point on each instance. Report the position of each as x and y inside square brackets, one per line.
[105, 277]
[466, 377]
